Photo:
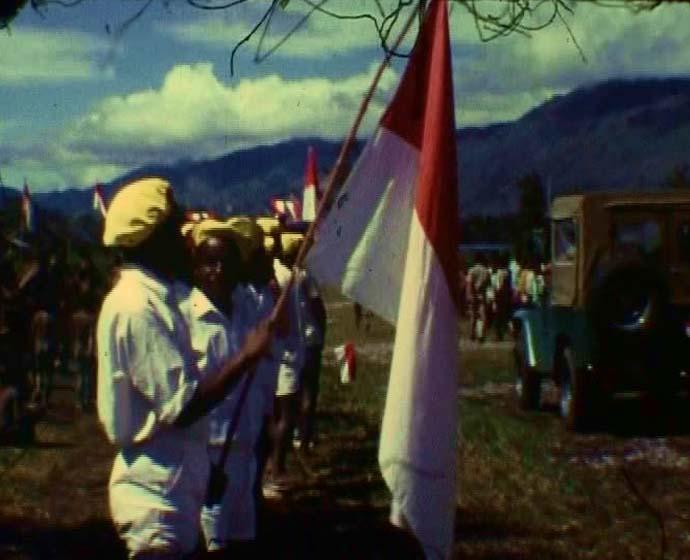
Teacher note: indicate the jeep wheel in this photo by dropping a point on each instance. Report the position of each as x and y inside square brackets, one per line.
[621, 305]
[527, 381]
[576, 397]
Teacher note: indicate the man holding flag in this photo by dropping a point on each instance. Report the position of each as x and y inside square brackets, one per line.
[395, 252]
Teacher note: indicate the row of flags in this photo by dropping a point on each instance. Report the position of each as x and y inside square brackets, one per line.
[27, 218]
[289, 209]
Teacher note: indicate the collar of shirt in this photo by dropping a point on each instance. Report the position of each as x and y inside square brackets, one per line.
[201, 307]
[148, 279]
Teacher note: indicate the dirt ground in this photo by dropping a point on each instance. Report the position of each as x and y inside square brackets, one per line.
[527, 489]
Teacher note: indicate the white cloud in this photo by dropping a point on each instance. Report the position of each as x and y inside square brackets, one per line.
[31, 55]
[498, 80]
[53, 166]
[193, 114]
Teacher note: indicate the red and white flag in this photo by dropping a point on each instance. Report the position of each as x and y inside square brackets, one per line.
[98, 202]
[27, 220]
[288, 208]
[390, 242]
[346, 359]
[310, 195]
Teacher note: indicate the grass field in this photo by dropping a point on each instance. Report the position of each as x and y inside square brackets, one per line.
[527, 489]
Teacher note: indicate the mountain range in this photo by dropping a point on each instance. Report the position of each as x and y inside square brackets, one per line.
[620, 134]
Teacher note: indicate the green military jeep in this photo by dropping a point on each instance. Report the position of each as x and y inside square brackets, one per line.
[616, 314]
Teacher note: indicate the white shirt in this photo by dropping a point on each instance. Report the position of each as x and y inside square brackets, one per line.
[257, 303]
[146, 369]
[215, 339]
[146, 376]
[293, 343]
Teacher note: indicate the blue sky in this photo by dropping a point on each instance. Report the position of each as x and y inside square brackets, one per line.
[83, 101]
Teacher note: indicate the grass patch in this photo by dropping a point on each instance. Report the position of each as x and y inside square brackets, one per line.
[527, 489]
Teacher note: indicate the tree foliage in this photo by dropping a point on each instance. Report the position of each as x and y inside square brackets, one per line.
[531, 241]
[492, 18]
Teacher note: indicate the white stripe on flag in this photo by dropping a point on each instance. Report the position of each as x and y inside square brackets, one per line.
[419, 430]
[309, 203]
[362, 243]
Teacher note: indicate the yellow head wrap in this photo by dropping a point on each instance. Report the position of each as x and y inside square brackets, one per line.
[250, 236]
[230, 229]
[290, 242]
[186, 228]
[136, 210]
[268, 225]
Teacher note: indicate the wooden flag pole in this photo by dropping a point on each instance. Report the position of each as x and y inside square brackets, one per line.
[345, 150]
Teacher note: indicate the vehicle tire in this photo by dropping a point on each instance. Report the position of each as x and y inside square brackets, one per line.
[629, 298]
[576, 403]
[527, 380]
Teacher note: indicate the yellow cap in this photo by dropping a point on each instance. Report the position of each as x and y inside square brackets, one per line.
[268, 225]
[136, 210]
[290, 242]
[210, 227]
[250, 236]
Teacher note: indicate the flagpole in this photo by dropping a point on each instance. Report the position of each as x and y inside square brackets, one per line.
[345, 150]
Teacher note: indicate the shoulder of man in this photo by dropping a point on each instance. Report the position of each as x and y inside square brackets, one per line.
[128, 298]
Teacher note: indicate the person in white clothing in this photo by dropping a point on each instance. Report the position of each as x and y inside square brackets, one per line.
[260, 293]
[314, 312]
[151, 398]
[216, 311]
[291, 364]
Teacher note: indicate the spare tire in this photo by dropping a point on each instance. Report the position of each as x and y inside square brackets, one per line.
[630, 297]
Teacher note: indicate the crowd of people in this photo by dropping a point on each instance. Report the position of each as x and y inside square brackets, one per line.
[48, 305]
[492, 288]
[209, 351]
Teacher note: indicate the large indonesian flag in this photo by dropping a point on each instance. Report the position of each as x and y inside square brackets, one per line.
[310, 195]
[390, 242]
[27, 220]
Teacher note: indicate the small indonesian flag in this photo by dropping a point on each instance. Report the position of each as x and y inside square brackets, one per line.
[390, 242]
[290, 209]
[347, 361]
[27, 220]
[310, 195]
[98, 202]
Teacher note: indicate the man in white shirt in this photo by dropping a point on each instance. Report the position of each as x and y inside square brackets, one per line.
[151, 398]
[217, 312]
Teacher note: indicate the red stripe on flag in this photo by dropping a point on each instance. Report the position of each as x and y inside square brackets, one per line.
[422, 113]
[311, 177]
